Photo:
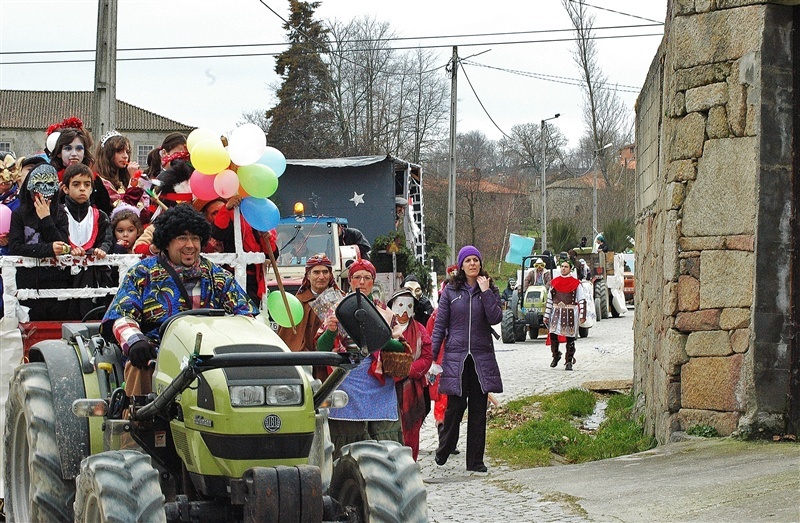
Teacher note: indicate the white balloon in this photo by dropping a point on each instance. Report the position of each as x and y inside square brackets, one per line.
[52, 138]
[246, 144]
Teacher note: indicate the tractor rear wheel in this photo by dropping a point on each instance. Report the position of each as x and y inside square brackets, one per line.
[379, 481]
[507, 331]
[34, 488]
[119, 485]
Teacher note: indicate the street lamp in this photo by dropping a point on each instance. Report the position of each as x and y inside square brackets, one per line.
[544, 182]
[594, 186]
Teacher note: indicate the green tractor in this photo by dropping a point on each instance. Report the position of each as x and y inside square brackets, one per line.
[236, 430]
[525, 317]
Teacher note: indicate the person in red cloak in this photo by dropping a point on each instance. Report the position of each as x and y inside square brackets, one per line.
[565, 310]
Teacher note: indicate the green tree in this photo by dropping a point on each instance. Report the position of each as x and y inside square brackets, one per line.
[561, 236]
[617, 234]
[300, 124]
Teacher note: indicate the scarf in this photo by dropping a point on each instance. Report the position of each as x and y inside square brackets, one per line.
[565, 283]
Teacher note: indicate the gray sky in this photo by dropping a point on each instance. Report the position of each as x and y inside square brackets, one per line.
[213, 92]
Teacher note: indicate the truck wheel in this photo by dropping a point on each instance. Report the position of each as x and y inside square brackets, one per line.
[583, 332]
[119, 485]
[533, 324]
[601, 292]
[34, 488]
[379, 481]
[507, 327]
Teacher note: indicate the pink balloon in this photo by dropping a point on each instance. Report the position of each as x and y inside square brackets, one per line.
[5, 218]
[203, 185]
[226, 183]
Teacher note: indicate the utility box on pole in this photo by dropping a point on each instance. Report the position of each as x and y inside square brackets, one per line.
[105, 69]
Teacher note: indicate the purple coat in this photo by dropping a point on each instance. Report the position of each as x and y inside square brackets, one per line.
[464, 320]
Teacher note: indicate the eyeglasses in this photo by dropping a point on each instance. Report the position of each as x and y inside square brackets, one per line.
[188, 238]
[367, 277]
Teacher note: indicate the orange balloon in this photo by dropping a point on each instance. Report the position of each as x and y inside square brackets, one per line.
[242, 192]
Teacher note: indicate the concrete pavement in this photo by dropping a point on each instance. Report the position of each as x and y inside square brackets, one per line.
[694, 481]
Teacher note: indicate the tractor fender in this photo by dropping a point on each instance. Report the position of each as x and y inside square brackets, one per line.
[66, 381]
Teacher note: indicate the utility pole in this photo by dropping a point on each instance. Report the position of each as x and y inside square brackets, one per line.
[544, 180]
[451, 198]
[105, 69]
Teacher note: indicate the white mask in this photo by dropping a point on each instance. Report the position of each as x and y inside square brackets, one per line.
[403, 309]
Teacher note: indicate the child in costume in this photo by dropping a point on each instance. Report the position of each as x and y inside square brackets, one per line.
[89, 235]
[127, 227]
[411, 398]
[39, 229]
[116, 173]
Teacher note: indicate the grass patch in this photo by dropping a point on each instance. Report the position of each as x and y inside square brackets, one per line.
[534, 431]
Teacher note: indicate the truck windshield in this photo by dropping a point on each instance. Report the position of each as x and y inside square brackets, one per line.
[299, 241]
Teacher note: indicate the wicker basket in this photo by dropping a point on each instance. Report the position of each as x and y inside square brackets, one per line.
[396, 364]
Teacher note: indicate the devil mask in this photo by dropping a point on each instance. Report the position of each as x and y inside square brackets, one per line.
[43, 180]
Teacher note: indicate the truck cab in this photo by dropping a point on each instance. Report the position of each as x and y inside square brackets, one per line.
[301, 236]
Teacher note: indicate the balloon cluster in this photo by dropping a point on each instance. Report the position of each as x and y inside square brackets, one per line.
[247, 166]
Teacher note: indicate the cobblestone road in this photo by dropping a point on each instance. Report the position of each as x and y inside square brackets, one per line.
[455, 495]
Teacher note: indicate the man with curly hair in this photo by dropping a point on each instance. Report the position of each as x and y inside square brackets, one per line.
[158, 287]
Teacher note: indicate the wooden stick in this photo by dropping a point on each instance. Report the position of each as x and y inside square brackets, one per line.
[280, 283]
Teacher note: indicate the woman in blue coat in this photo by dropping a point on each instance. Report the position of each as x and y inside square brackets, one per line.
[468, 308]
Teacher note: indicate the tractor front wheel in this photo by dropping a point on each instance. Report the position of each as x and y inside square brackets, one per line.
[379, 481]
[119, 485]
[583, 332]
[533, 324]
[34, 488]
[507, 332]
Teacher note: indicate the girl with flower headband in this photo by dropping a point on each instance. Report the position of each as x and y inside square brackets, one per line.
[70, 142]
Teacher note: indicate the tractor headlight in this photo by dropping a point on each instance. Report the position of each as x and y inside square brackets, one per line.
[246, 395]
[284, 394]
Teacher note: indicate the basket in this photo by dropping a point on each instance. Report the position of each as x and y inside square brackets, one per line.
[396, 364]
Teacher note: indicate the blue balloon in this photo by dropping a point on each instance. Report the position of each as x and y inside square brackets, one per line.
[273, 159]
[260, 213]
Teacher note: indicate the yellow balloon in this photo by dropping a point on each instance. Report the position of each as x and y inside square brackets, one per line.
[210, 157]
[199, 135]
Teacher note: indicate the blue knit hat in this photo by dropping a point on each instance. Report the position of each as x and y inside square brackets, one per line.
[468, 250]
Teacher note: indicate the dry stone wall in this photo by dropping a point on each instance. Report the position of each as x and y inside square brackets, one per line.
[714, 134]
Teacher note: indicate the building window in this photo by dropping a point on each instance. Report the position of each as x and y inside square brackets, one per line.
[5, 146]
[141, 154]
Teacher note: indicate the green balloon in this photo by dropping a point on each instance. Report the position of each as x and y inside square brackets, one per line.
[277, 309]
[258, 180]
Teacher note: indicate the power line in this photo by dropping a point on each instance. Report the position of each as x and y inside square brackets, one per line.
[556, 79]
[365, 40]
[406, 48]
[617, 12]
[481, 103]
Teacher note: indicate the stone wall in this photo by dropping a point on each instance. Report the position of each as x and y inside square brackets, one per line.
[714, 134]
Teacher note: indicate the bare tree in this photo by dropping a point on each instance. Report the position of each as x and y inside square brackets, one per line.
[256, 116]
[385, 101]
[605, 114]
